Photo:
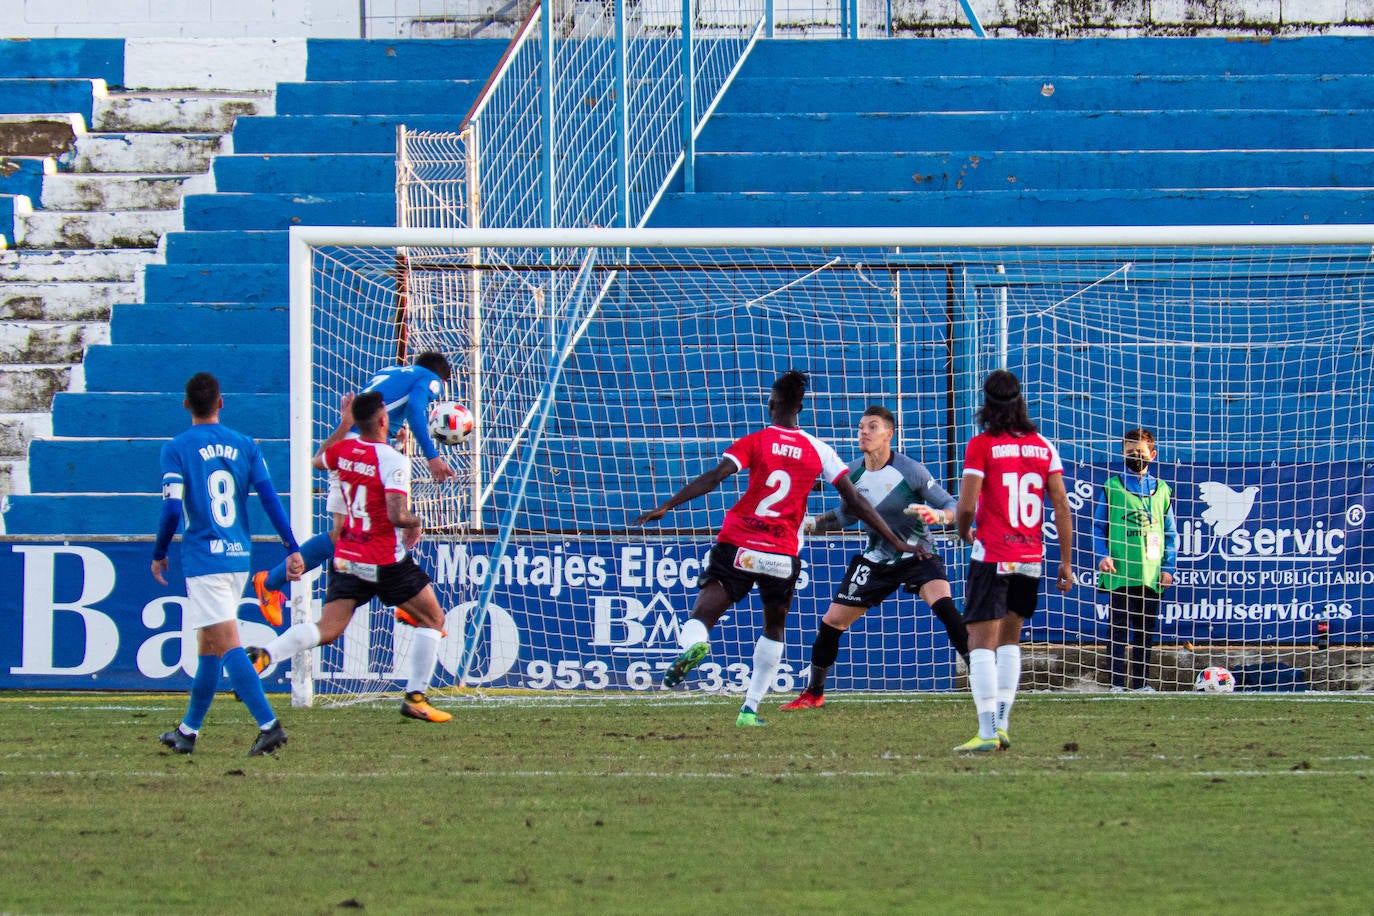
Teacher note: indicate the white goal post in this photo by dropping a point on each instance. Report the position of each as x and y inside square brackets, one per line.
[606, 367]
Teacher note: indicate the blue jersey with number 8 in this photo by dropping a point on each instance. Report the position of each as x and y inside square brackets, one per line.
[211, 468]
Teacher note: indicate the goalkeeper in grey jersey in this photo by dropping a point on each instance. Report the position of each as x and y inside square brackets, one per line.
[911, 502]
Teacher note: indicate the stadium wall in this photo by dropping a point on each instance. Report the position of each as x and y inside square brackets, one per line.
[279, 19]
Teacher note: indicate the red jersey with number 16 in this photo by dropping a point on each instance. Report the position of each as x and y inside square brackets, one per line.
[1011, 503]
[367, 470]
[782, 464]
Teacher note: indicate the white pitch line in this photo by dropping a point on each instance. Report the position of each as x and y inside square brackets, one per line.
[653, 774]
[666, 699]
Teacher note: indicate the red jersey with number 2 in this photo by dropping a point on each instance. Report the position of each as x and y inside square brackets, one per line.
[367, 470]
[1011, 504]
[782, 464]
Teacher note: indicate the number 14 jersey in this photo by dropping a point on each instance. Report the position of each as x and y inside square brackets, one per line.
[367, 472]
[1011, 503]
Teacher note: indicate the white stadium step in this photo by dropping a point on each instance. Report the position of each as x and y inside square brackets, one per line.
[24, 265]
[55, 301]
[17, 430]
[14, 477]
[179, 112]
[115, 229]
[108, 198]
[49, 341]
[25, 389]
[157, 154]
[99, 191]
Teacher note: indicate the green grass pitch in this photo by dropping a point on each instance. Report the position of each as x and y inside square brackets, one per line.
[585, 804]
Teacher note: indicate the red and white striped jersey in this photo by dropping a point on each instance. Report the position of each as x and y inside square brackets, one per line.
[782, 464]
[367, 472]
[1011, 504]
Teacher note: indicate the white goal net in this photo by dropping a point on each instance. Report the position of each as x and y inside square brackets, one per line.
[608, 367]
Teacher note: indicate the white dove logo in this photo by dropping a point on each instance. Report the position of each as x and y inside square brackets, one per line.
[1226, 509]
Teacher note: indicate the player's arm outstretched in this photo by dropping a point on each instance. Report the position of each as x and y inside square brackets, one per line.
[701, 485]
[345, 424]
[826, 521]
[417, 421]
[855, 503]
[935, 506]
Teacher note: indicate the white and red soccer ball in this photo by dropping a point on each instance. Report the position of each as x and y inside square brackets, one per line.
[1215, 679]
[449, 422]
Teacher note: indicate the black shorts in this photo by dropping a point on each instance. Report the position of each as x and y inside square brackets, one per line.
[773, 590]
[868, 584]
[992, 595]
[396, 584]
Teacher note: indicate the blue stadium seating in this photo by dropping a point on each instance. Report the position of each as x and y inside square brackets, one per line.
[20, 175]
[9, 206]
[29, 95]
[920, 132]
[1034, 131]
[78, 58]
[156, 414]
[304, 173]
[375, 97]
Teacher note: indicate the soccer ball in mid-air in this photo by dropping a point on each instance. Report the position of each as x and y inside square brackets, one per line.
[449, 422]
[1215, 679]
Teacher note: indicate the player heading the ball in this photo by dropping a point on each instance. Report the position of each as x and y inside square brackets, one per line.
[373, 558]
[407, 393]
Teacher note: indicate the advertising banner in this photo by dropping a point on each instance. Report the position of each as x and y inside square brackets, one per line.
[1266, 555]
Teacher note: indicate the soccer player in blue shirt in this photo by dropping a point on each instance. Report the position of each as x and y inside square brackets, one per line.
[206, 474]
[407, 392]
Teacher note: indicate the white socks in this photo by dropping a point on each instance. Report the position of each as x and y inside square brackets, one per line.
[767, 657]
[1008, 677]
[424, 652]
[982, 682]
[692, 632]
[300, 637]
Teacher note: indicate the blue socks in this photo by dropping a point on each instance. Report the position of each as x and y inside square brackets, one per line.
[315, 552]
[203, 691]
[248, 685]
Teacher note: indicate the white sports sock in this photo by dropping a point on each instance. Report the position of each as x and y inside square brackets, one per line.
[424, 652]
[1008, 678]
[982, 682]
[692, 632]
[767, 657]
[299, 637]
